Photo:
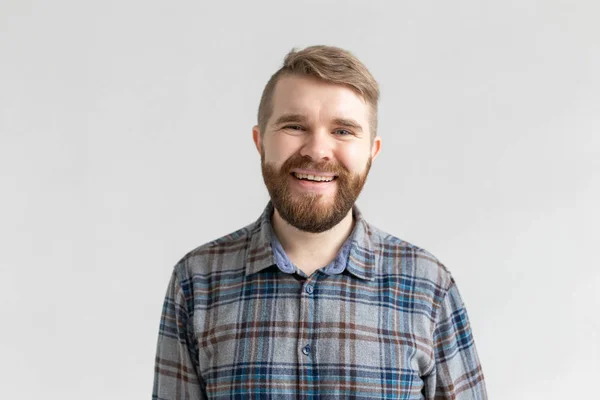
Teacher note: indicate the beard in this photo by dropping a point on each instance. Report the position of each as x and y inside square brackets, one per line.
[308, 211]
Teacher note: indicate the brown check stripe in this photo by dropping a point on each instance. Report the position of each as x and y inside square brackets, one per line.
[237, 323]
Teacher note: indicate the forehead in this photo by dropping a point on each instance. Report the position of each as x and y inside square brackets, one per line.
[316, 98]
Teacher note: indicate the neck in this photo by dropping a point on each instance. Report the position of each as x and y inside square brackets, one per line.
[310, 251]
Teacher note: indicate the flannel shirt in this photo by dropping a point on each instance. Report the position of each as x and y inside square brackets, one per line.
[384, 320]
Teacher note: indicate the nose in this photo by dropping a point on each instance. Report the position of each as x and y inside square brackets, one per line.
[318, 145]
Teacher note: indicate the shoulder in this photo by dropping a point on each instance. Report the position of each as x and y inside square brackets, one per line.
[396, 256]
[226, 253]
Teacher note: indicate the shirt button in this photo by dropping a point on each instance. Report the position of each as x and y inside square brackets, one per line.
[306, 350]
[309, 289]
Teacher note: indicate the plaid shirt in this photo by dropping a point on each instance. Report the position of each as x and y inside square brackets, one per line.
[384, 320]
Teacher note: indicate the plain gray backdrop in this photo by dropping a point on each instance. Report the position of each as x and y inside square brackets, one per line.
[125, 142]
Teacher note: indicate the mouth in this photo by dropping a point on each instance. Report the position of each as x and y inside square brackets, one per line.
[317, 179]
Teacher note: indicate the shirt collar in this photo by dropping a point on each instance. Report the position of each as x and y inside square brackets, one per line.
[359, 248]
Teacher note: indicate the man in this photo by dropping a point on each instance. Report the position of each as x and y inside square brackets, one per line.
[311, 301]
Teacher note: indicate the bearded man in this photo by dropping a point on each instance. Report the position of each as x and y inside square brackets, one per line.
[311, 301]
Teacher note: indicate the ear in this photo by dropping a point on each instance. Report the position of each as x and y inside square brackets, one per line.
[376, 147]
[256, 137]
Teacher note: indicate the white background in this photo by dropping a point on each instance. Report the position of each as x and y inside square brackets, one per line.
[125, 142]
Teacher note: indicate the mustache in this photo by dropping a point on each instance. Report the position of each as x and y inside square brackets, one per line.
[305, 162]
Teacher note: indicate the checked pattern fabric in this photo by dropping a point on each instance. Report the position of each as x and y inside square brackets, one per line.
[384, 320]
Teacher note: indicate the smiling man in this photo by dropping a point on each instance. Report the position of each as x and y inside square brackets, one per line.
[311, 301]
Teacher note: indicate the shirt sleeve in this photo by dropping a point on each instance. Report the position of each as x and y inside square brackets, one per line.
[457, 372]
[176, 365]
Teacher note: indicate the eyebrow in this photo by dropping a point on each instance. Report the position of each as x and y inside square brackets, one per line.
[346, 122]
[285, 118]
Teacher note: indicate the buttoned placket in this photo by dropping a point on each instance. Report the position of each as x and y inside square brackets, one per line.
[307, 348]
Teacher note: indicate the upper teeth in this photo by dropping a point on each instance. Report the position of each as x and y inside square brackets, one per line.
[314, 177]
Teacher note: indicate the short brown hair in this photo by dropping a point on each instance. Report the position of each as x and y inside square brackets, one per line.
[330, 64]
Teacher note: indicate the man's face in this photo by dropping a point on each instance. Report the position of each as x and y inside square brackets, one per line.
[315, 152]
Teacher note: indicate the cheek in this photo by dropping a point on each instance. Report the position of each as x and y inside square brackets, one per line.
[354, 158]
[277, 151]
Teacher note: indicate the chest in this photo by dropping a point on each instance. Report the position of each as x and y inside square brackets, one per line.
[328, 334]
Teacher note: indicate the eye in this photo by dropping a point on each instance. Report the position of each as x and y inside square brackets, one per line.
[343, 132]
[294, 127]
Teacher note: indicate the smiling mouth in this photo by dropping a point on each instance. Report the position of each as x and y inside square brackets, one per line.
[313, 178]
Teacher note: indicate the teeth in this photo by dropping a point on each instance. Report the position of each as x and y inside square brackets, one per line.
[313, 177]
